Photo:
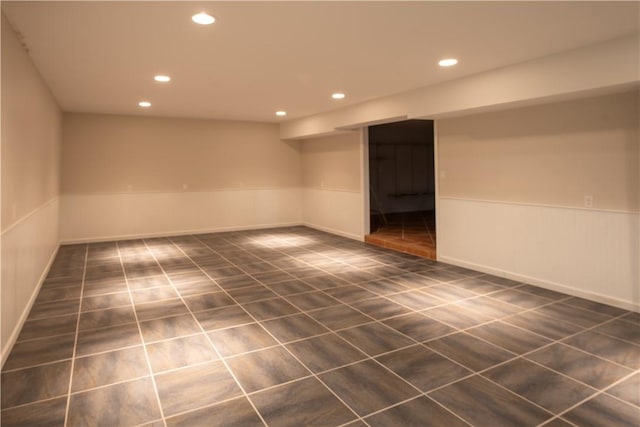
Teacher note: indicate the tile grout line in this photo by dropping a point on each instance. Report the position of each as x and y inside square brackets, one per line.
[517, 356]
[279, 295]
[600, 392]
[302, 339]
[556, 418]
[605, 391]
[23, 405]
[562, 339]
[525, 354]
[496, 319]
[38, 365]
[464, 331]
[419, 396]
[312, 374]
[144, 348]
[415, 342]
[473, 374]
[358, 417]
[75, 342]
[103, 386]
[373, 358]
[195, 319]
[367, 358]
[479, 373]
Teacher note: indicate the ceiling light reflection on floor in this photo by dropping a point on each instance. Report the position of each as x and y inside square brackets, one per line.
[281, 241]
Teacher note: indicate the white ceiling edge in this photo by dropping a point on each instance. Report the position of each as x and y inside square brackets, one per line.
[604, 67]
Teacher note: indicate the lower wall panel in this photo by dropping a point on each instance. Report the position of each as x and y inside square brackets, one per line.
[334, 211]
[113, 216]
[587, 253]
[28, 248]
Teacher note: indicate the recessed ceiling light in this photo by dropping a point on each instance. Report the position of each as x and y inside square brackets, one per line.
[447, 62]
[203, 18]
[144, 104]
[281, 113]
[338, 95]
[162, 79]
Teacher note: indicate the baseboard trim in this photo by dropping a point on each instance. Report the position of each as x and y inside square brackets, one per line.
[25, 313]
[329, 230]
[558, 287]
[96, 239]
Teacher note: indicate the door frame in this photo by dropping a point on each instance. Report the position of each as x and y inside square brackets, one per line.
[364, 179]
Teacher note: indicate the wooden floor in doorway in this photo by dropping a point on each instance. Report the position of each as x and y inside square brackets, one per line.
[409, 232]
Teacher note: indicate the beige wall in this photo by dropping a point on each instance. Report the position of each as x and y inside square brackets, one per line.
[238, 175]
[31, 143]
[553, 154]
[125, 176]
[31, 129]
[332, 197]
[107, 154]
[332, 162]
[517, 179]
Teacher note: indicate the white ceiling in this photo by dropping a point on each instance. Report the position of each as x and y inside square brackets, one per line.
[259, 57]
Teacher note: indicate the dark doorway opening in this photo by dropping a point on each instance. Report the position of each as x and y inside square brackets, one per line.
[402, 187]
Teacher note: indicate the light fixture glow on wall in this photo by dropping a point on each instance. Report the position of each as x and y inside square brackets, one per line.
[162, 79]
[203, 18]
[144, 104]
[338, 95]
[448, 62]
[281, 113]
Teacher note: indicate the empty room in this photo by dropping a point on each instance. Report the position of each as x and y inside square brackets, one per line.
[320, 213]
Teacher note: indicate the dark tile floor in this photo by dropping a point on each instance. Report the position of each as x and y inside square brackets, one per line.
[294, 327]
